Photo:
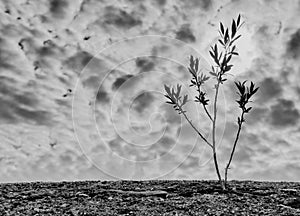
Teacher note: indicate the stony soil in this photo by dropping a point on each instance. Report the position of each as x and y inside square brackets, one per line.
[149, 198]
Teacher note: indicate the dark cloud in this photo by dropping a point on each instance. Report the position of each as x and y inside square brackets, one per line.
[143, 101]
[256, 115]
[206, 4]
[19, 106]
[119, 81]
[40, 117]
[6, 55]
[171, 115]
[144, 64]
[293, 46]
[230, 130]
[79, 61]
[92, 82]
[163, 146]
[253, 139]
[6, 89]
[161, 2]
[26, 98]
[120, 18]
[203, 4]
[269, 89]
[185, 34]
[283, 143]
[242, 155]
[62, 102]
[67, 158]
[298, 91]
[57, 7]
[114, 144]
[48, 49]
[11, 112]
[284, 114]
[118, 146]
[191, 162]
[166, 143]
[6, 114]
[102, 96]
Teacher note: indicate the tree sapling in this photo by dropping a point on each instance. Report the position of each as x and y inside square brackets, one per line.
[219, 71]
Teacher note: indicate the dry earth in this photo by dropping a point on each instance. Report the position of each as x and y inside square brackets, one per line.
[109, 59]
[149, 198]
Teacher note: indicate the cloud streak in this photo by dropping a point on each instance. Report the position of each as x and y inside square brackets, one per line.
[48, 48]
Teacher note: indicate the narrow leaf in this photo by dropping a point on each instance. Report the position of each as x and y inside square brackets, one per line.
[167, 90]
[216, 51]
[178, 91]
[234, 40]
[185, 98]
[233, 29]
[233, 48]
[213, 74]
[238, 20]
[192, 71]
[226, 37]
[192, 61]
[222, 28]
[206, 78]
[255, 90]
[247, 110]
[167, 96]
[220, 56]
[221, 42]
[212, 55]
[228, 59]
[196, 64]
[251, 87]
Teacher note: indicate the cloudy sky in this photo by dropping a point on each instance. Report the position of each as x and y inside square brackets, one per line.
[81, 89]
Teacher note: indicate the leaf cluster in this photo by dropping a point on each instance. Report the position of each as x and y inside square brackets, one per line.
[174, 98]
[229, 39]
[245, 93]
[222, 58]
[198, 79]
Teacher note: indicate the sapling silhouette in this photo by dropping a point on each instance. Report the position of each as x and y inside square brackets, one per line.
[218, 71]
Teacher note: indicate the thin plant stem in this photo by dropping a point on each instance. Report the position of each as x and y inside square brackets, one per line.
[207, 112]
[189, 121]
[214, 136]
[234, 146]
[209, 116]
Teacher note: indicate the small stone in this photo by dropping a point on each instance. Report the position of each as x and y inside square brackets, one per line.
[64, 205]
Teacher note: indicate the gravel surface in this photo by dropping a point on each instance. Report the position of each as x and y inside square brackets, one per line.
[149, 198]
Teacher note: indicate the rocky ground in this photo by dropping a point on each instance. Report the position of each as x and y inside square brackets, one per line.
[149, 198]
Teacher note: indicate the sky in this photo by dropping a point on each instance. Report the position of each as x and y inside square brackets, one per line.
[82, 90]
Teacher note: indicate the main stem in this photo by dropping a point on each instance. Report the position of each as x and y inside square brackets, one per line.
[234, 145]
[214, 137]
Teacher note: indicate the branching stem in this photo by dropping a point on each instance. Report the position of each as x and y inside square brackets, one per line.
[189, 121]
[207, 112]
